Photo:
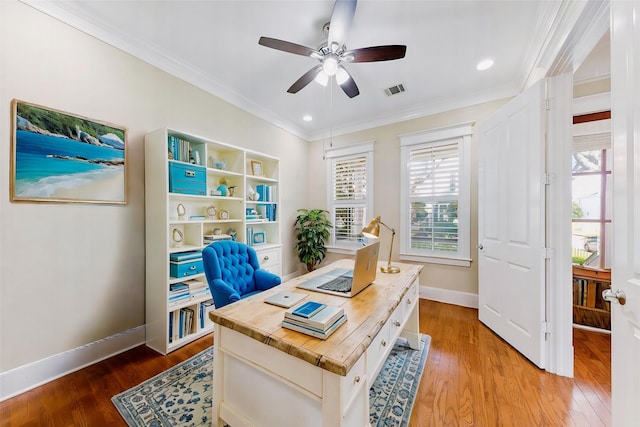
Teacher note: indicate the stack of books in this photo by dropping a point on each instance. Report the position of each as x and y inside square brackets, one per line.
[198, 288]
[178, 292]
[314, 318]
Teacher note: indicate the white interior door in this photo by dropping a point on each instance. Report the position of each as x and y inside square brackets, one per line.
[625, 111]
[511, 255]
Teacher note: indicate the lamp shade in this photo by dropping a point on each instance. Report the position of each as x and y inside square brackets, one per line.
[373, 229]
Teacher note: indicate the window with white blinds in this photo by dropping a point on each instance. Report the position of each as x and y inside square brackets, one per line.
[350, 192]
[435, 196]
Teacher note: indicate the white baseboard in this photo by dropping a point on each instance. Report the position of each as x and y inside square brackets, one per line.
[464, 299]
[24, 378]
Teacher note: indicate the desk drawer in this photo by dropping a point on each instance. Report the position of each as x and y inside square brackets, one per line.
[354, 380]
[269, 260]
[377, 352]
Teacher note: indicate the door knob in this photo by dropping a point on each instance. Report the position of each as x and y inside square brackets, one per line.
[617, 296]
[480, 247]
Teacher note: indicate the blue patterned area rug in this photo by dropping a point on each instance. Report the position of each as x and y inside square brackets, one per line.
[181, 396]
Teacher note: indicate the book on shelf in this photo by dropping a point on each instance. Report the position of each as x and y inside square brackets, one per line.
[320, 321]
[205, 308]
[312, 331]
[181, 323]
[178, 292]
[267, 193]
[305, 310]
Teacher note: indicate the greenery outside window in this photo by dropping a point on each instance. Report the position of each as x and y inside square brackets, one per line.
[435, 196]
[350, 193]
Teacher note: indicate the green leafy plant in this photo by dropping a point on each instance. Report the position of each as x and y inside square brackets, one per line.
[312, 229]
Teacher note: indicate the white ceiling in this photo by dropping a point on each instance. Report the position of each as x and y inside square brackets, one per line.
[214, 45]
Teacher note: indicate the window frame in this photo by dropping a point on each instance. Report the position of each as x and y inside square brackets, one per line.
[461, 134]
[365, 149]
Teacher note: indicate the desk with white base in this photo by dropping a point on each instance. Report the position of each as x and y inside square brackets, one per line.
[265, 375]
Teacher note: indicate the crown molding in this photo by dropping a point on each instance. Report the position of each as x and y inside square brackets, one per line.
[69, 14]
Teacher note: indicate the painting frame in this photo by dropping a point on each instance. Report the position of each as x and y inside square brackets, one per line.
[62, 157]
[256, 168]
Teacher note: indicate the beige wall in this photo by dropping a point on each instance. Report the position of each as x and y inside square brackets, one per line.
[71, 274]
[386, 182]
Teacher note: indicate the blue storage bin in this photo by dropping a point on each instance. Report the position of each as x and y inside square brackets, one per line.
[186, 268]
[186, 178]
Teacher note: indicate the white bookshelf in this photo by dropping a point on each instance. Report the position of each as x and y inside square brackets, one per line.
[162, 219]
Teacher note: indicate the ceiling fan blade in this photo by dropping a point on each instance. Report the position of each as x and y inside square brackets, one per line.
[349, 86]
[286, 46]
[378, 53]
[305, 79]
[341, 18]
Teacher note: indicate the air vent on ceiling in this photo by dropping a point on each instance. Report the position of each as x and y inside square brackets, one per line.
[394, 90]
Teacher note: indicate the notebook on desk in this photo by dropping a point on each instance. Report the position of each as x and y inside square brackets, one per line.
[348, 282]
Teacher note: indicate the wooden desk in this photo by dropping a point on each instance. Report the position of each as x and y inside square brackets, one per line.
[265, 375]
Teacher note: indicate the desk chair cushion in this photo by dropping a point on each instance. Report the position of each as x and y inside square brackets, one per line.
[233, 272]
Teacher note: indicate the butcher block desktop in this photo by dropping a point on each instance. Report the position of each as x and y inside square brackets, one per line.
[269, 375]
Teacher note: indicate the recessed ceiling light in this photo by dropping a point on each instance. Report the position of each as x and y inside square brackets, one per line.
[484, 64]
[307, 118]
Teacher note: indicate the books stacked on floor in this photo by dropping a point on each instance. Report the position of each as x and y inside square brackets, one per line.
[178, 292]
[314, 318]
[181, 323]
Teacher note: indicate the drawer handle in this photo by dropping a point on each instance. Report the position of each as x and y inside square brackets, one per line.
[356, 379]
[189, 173]
[384, 343]
[266, 258]
[193, 267]
[396, 323]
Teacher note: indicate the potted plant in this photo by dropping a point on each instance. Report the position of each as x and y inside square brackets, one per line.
[311, 232]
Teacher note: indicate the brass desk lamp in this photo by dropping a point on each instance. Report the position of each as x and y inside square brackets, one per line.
[373, 230]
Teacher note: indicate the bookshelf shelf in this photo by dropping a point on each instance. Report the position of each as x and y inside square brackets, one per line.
[202, 170]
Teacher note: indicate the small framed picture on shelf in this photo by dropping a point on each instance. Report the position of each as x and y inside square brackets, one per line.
[259, 238]
[256, 168]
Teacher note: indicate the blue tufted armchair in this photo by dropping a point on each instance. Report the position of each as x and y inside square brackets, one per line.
[233, 272]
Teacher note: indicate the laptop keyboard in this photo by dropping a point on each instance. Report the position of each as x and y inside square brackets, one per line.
[339, 284]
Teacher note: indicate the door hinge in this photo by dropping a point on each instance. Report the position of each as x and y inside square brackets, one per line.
[547, 104]
[547, 253]
[548, 179]
[546, 329]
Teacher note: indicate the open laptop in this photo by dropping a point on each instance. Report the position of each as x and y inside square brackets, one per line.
[347, 282]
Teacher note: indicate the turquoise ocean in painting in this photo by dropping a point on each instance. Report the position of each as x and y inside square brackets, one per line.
[39, 174]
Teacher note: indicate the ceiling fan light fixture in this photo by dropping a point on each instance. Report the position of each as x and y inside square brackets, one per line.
[341, 75]
[348, 56]
[316, 55]
[322, 78]
[330, 64]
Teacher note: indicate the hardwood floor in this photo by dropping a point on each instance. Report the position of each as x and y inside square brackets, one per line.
[471, 378]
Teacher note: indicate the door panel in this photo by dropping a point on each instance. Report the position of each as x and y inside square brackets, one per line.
[511, 224]
[625, 273]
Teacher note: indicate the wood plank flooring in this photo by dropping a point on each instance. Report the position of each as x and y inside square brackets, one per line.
[471, 378]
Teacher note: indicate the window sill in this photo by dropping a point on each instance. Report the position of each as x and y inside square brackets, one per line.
[458, 262]
[343, 250]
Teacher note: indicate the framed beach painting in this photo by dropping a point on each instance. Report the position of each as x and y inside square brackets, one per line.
[62, 157]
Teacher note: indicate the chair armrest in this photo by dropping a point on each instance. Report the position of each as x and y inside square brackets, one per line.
[223, 293]
[266, 280]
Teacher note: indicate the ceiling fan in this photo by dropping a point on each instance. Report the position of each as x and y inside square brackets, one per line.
[334, 52]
